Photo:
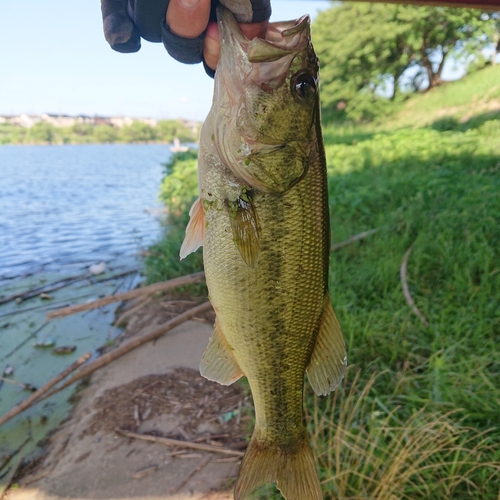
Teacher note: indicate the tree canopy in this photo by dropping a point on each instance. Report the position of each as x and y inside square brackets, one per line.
[369, 50]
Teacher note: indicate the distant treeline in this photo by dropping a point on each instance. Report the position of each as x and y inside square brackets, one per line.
[81, 133]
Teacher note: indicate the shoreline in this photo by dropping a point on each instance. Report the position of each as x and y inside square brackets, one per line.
[35, 349]
[116, 464]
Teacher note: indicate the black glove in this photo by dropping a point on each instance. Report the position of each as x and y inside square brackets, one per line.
[127, 21]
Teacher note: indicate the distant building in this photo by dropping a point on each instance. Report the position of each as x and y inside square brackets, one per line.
[58, 120]
[25, 120]
[120, 121]
[61, 120]
[124, 121]
[84, 119]
[148, 121]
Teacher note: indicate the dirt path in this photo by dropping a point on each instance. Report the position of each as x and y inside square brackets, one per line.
[155, 389]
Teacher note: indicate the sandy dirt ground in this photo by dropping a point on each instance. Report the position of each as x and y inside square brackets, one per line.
[155, 390]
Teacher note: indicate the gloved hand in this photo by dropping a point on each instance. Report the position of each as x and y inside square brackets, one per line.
[125, 22]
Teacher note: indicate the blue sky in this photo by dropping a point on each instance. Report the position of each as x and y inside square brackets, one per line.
[54, 59]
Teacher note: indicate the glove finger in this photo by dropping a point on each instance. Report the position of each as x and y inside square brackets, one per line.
[185, 50]
[119, 30]
[147, 16]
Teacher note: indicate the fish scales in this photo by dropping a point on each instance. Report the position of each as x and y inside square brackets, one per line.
[262, 218]
[267, 312]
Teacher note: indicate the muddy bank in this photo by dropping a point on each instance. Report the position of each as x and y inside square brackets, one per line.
[154, 390]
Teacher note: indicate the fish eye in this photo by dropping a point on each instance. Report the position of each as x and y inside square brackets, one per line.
[304, 86]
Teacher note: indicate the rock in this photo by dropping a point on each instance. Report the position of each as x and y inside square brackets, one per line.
[97, 268]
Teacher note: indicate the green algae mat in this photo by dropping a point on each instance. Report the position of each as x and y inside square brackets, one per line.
[33, 350]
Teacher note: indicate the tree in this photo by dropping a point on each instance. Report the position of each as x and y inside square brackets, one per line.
[367, 50]
[138, 132]
[167, 130]
[41, 132]
[105, 133]
[496, 37]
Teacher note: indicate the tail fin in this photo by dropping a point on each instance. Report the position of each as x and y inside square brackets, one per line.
[294, 473]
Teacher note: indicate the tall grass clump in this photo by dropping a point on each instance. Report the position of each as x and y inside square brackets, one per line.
[367, 452]
[178, 190]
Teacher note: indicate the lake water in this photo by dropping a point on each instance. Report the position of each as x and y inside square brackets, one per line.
[74, 205]
[63, 208]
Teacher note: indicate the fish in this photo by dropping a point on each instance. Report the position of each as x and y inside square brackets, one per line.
[262, 217]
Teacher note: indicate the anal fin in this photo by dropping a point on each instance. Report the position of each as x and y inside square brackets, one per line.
[194, 230]
[329, 360]
[218, 362]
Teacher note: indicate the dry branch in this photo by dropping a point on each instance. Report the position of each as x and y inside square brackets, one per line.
[406, 290]
[180, 444]
[132, 310]
[50, 287]
[23, 405]
[132, 294]
[7, 479]
[130, 345]
[15, 382]
[352, 239]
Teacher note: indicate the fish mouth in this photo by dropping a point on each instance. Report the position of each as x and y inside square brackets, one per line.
[282, 38]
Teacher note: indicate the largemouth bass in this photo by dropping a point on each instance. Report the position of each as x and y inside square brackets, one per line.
[262, 218]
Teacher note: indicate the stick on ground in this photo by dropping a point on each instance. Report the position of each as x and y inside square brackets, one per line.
[7, 479]
[33, 292]
[132, 310]
[406, 291]
[181, 444]
[23, 405]
[132, 294]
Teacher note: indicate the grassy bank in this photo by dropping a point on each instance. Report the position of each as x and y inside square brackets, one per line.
[417, 416]
[178, 190]
[463, 104]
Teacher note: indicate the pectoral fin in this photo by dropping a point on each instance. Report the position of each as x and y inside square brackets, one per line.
[194, 230]
[245, 227]
[329, 360]
[218, 362]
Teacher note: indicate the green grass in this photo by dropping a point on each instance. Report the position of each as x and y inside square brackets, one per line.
[475, 95]
[439, 191]
[418, 416]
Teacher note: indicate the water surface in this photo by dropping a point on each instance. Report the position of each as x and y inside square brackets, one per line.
[63, 208]
[76, 204]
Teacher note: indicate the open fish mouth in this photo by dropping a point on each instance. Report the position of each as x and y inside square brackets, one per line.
[262, 59]
[282, 38]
